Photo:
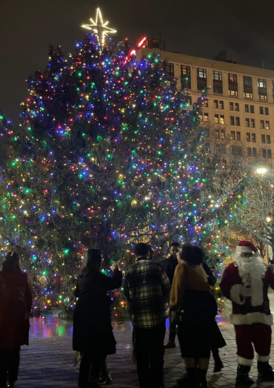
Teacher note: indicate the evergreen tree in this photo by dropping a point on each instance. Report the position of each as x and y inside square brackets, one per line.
[108, 153]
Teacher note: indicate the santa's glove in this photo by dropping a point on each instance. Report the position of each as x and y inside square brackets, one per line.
[246, 291]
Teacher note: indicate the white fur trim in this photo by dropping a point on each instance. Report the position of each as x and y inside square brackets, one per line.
[235, 294]
[244, 361]
[263, 358]
[248, 319]
[243, 249]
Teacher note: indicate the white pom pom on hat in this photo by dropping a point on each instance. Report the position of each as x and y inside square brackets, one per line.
[246, 246]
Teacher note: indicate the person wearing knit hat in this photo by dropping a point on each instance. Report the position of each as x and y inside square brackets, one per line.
[245, 282]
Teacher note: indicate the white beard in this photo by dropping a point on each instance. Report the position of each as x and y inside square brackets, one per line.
[252, 271]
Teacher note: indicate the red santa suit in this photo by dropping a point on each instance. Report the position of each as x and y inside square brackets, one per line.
[245, 282]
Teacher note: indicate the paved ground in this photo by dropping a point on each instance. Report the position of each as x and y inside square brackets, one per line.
[49, 360]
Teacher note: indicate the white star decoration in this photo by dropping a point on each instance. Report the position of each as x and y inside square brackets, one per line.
[100, 28]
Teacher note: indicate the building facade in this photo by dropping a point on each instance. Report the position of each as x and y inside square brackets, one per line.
[240, 103]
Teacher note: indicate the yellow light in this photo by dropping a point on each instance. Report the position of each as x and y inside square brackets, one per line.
[100, 28]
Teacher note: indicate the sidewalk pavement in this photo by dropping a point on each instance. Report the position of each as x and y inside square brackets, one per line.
[49, 360]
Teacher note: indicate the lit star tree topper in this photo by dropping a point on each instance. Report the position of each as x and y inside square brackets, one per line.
[100, 28]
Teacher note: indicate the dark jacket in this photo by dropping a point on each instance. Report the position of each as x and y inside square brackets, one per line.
[92, 317]
[169, 266]
[210, 277]
[15, 306]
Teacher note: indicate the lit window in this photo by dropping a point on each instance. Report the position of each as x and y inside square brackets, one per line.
[222, 119]
[216, 119]
[267, 125]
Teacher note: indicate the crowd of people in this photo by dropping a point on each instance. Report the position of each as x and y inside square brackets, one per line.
[183, 283]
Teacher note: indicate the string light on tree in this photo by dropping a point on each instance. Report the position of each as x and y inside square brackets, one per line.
[100, 28]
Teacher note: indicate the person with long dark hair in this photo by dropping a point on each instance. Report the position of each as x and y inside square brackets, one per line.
[92, 330]
[15, 307]
[190, 294]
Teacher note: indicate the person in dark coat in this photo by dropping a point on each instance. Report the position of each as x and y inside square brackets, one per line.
[216, 339]
[92, 330]
[169, 266]
[15, 307]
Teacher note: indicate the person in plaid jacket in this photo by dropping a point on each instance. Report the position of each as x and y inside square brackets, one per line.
[147, 290]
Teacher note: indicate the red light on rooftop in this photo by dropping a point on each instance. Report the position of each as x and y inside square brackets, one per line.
[141, 42]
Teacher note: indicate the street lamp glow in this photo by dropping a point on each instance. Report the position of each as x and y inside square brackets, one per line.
[268, 219]
[261, 170]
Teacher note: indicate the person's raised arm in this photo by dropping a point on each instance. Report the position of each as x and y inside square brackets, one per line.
[111, 283]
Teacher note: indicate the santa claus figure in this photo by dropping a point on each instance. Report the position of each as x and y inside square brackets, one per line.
[245, 282]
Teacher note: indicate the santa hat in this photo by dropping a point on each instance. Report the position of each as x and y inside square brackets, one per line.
[245, 246]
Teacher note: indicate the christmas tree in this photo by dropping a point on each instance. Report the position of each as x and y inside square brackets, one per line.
[108, 153]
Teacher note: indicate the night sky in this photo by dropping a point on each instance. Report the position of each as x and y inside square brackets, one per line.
[200, 28]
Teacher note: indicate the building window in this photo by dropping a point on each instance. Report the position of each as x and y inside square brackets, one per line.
[249, 151]
[248, 89]
[169, 68]
[267, 125]
[216, 119]
[273, 89]
[263, 138]
[217, 133]
[237, 107]
[201, 79]
[261, 110]
[248, 136]
[231, 106]
[253, 137]
[205, 103]
[238, 135]
[222, 119]
[264, 152]
[232, 120]
[268, 140]
[216, 104]
[266, 111]
[217, 82]
[222, 134]
[247, 123]
[252, 123]
[251, 108]
[221, 105]
[262, 89]
[254, 152]
[185, 77]
[233, 85]
[262, 124]
[238, 121]
[269, 154]
[232, 136]
[236, 150]
[246, 108]
[206, 117]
